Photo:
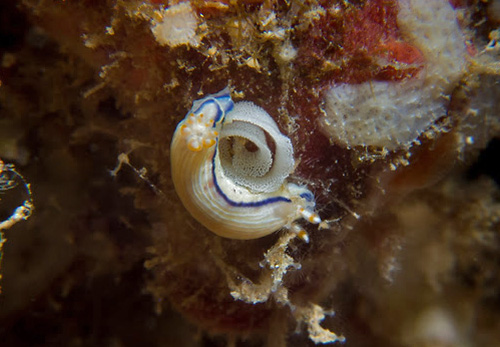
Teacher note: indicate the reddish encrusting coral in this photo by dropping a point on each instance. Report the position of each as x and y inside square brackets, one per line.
[354, 40]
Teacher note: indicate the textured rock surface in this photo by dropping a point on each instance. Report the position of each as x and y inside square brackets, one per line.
[115, 259]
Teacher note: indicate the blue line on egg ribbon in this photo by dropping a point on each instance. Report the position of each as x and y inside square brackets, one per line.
[242, 203]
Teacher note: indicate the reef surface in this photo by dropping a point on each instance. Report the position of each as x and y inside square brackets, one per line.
[392, 109]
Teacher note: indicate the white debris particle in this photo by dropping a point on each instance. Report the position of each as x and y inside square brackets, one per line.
[176, 26]
[312, 315]
[253, 63]
[271, 282]
[287, 52]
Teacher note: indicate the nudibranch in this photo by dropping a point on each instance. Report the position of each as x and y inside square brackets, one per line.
[230, 165]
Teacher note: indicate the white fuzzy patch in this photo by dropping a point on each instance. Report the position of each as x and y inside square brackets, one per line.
[176, 26]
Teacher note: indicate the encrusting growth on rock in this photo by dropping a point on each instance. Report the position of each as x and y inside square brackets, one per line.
[345, 124]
